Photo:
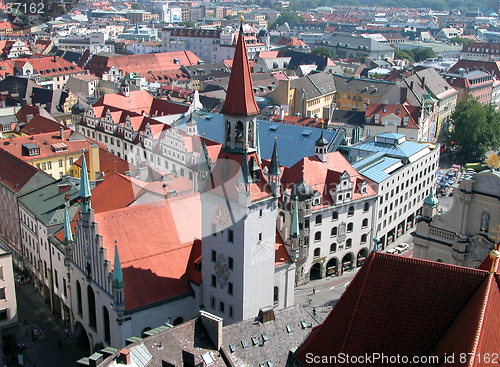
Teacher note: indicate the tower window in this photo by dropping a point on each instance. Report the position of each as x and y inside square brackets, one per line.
[351, 210]
[230, 236]
[319, 219]
[317, 236]
[317, 252]
[214, 256]
[350, 226]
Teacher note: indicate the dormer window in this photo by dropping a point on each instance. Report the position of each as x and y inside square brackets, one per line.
[31, 149]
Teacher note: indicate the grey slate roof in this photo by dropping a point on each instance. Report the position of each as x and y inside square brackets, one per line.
[368, 87]
[355, 43]
[315, 84]
[279, 343]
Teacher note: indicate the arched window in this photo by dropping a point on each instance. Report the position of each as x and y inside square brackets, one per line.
[276, 295]
[91, 304]
[348, 243]
[333, 247]
[350, 226]
[317, 252]
[107, 332]
[319, 219]
[228, 130]
[351, 210]
[365, 223]
[366, 207]
[334, 231]
[178, 321]
[335, 215]
[238, 132]
[317, 236]
[79, 298]
[363, 238]
[143, 334]
[439, 260]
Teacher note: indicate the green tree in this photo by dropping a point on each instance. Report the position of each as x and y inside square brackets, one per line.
[136, 6]
[403, 54]
[464, 41]
[187, 24]
[474, 129]
[287, 16]
[322, 51]
[420, 54]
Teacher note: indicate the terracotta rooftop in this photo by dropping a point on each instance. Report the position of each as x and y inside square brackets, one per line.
[158, 269]
[109, 163]
[75, 142]
[14, 173]
[39, 125]
[406, 306]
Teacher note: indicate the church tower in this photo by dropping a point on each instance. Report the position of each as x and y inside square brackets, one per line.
[239, 213]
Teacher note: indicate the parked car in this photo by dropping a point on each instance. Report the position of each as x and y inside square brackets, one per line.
[392, 251]
[402, 247]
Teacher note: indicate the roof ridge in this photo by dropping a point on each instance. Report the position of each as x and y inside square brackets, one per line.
[481, 318]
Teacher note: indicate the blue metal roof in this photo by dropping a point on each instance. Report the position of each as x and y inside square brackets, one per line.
[376, 171]
[405, 150]
[391, 135]
[292, 144]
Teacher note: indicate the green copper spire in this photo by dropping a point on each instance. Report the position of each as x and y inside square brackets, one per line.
[294, 231]
[431, 200]
[117, 271]
[274, 168]
[68, 236]
[85, 187]
[257, 142]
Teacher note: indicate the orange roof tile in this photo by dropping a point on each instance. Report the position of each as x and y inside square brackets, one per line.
[240, 96]
[410, 307]
[158, 269]
[280, 252]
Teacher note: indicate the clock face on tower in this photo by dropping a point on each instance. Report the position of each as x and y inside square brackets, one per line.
[221, 215]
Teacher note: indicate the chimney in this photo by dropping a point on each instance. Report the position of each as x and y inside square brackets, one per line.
[282, 113]
[94, 162]
[95, 359]
[55, 58]
[266, 314]
[213, 326]
[61, 133]
[403, 95]
[124, 357]
[423, 83]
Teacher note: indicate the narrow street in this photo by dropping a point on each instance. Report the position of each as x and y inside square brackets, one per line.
[44, 351]
[329, 290]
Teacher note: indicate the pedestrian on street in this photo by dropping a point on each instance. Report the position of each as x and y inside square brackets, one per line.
[309, 300]
[314, 311]
[59, 344]
[314, 290]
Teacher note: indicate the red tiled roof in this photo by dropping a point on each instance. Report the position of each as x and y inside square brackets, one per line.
[26, 109]
[154, 62]
[44, 142]
[410, 307]
[323, 177]
[158, 269]
[268, 54]
[52, 65]
[39, 124]
[280, 252]
[116, 192]
[240, 97]
[109, 163]
[14, 173]
[412, 112]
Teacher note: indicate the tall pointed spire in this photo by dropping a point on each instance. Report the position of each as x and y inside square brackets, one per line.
[84, 187]
[294, 231]
[117, 271]
[240, 97]
[68, 236]
[274, 168]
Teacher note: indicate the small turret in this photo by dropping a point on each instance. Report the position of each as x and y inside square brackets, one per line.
[244, 182]
[431, 202]
[191, 125]
[118, 285]
[274, 173]
[321, 146]
[85, 188]
[125, 88]
[68, 237]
